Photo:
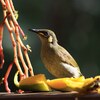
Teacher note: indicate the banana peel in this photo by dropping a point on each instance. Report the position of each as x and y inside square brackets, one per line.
[67, 84]
[92, 84]
[39, 83]
[33, 83]
[80, 84]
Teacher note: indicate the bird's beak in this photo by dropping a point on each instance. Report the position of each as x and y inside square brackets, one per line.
[34, 30]
[38, 31]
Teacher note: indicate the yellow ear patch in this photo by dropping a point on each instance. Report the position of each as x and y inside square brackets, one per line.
[50, 39]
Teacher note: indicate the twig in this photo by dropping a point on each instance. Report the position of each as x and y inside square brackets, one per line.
[6, 77]
[1, 48]
[20, 50]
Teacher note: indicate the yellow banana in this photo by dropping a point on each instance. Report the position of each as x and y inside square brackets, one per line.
[33, 83]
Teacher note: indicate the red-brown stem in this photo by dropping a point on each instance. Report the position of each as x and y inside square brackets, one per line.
[10, 29]
[20, 91]
[22, 60]
[1, 34]
[13, 17]
[20, 52]
[1, 48]
[14, 29]
[16, 57]
[6, 78]
[29, 63]
[3, 3]
[19, 48]
[26, 56]
[25, 51]
[11, 5]
[1, 38]
[21, 31]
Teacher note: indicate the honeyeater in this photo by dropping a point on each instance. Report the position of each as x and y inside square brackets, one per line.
[56, 59]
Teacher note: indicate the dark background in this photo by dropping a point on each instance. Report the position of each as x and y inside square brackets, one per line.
[76, 24]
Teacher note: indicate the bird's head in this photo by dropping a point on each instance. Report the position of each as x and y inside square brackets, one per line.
[46, 36]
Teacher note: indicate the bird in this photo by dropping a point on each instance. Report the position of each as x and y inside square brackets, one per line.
[56, 59]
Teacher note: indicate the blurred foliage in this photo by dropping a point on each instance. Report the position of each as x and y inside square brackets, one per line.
[76, 24]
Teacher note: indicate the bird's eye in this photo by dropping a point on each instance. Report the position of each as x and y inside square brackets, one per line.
[46, 34]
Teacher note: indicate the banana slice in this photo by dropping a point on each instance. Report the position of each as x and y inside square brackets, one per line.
[33, 83]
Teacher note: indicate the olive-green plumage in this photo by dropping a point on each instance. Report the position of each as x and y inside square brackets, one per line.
[56, 59]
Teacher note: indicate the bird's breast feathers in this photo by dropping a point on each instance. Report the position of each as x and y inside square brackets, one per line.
[73, 70]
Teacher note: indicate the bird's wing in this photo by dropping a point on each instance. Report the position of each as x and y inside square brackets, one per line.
[65, 57]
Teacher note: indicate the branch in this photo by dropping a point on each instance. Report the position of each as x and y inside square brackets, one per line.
[20, 50]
